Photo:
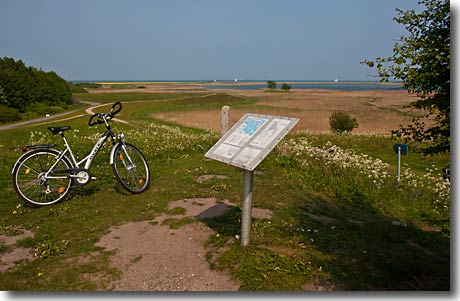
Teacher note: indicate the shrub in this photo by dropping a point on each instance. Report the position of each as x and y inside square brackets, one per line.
[286, 87]
[8, 114]
[40, 108]
[342, 123]
[271, 84]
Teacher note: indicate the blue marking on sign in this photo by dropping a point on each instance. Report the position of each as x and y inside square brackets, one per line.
[251, 125]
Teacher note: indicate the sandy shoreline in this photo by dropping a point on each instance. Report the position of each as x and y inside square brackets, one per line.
[238, 83]
[193, 87]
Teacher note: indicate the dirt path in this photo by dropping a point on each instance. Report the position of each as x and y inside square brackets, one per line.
[154, 257]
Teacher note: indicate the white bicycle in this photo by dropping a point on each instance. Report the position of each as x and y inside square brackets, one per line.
[43, 175]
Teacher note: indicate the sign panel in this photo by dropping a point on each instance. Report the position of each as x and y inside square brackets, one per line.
[251, 139]
[403, 147]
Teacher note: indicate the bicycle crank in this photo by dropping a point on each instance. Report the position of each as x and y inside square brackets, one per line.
[81, 177]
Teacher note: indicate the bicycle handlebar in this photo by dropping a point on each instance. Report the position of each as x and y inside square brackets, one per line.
[98, 121]
[114, 111]
[116, 108]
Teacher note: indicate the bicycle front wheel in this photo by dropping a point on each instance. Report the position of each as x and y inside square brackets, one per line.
[31, 183]
[130, 168]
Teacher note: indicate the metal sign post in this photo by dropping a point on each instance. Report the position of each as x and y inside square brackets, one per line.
[245, 145]
[400, 149]
[248, 179]
[399, 165]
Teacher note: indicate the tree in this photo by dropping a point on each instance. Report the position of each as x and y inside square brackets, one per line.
[421, 59]
[22, 87]
[3, 99]
[285, 87]
[271, 84]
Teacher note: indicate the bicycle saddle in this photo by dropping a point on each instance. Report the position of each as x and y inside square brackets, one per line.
[58, 129]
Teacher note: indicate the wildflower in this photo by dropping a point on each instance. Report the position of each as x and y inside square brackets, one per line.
[15, 212]
[39, 274]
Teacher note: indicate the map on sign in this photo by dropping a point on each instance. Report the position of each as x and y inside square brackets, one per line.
[251, 139]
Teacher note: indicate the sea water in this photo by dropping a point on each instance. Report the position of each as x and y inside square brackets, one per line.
[347, 86]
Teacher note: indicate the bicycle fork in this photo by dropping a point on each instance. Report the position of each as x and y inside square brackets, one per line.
[129, 165]
[124, 156]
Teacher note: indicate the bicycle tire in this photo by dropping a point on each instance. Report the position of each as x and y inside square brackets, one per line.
[135, 177]
[36, 191]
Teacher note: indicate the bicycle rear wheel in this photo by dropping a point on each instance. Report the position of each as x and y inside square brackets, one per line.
[29, 178]
[130, 168]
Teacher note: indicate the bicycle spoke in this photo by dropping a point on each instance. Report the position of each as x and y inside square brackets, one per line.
[30, 181]
[131, 169]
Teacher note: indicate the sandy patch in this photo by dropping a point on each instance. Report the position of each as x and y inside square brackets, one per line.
[204, 178]
[10, 259]
[16, 254]
[11, 240]
[154, 257]
[157, 258]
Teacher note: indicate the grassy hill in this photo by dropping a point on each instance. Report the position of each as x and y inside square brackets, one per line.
[338, 218]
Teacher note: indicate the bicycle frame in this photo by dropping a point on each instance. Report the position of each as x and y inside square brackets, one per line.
[88, 160]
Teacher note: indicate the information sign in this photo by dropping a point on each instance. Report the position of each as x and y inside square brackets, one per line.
[251, 139]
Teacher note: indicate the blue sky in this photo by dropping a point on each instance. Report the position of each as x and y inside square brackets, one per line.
[200, 40]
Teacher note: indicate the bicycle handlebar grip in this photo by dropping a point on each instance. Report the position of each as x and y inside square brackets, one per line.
[116, 108]
[90, 123]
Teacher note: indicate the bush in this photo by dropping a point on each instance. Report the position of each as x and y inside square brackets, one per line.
[286, 87]
[271, 84]
[9, 114]
[342, 123]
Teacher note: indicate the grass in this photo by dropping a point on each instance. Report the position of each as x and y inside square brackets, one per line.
[331, 225]
[129, 96]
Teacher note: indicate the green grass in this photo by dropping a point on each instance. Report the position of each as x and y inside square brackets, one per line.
[330, 223]
[141, 96]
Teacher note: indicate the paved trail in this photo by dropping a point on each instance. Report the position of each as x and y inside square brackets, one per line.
[46, 119]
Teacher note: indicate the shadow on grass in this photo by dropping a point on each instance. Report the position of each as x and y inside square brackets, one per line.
[365, 250]
[319, 240]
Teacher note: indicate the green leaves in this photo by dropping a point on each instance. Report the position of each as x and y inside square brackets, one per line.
[21, 86]
[421, 59]
[342, 123]
[271, 84]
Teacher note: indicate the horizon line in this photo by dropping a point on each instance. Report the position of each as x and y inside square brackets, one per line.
[229, 80]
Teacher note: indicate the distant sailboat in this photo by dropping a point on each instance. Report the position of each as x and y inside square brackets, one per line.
[236, 79]
[336, 80]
